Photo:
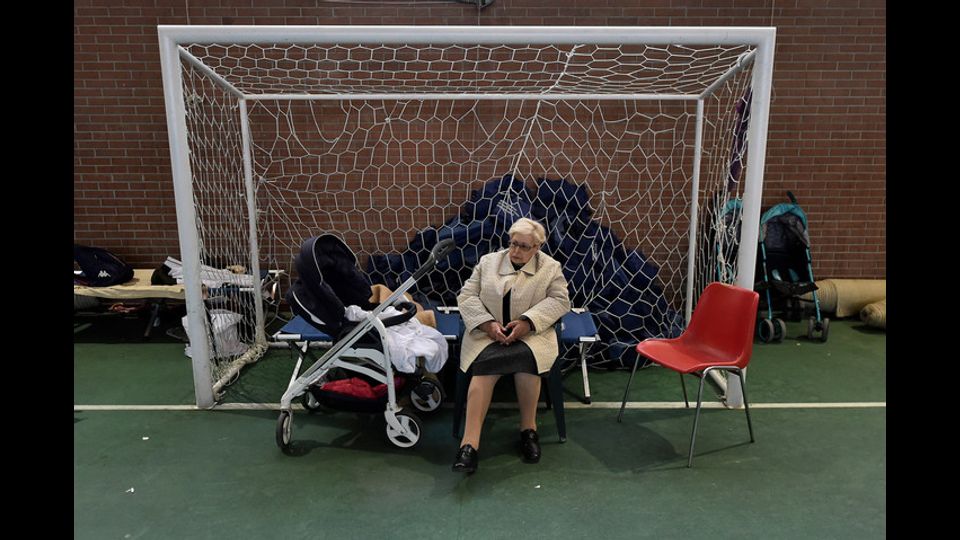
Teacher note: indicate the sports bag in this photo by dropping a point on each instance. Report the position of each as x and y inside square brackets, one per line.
[99, 267]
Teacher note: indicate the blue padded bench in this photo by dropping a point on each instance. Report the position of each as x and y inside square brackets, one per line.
[299, 330]
[578, 329]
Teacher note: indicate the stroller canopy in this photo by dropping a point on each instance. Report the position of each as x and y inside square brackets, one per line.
[328, 280]
[781, 223]
[784, 260]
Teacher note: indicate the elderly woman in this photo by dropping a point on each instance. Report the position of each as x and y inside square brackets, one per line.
[509, 306]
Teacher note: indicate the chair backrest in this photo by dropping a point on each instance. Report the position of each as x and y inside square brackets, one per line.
[724, 320]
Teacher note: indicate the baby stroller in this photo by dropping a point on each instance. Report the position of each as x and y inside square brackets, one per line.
[787, 272]
[328, 281]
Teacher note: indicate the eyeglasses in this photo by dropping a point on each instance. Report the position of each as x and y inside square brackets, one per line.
[521, 247]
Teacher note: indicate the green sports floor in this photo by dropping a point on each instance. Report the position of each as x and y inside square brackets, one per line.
[148, 465]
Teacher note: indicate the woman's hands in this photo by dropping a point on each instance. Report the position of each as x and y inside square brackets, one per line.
[516, 330]
[506, 335]
[495, 331]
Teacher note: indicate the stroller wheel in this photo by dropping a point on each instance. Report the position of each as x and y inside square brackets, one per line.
[780, 329]
[410, 434]
[813, 327]
[285, 431]
[310, 403]
[765, 330]
[427, 396]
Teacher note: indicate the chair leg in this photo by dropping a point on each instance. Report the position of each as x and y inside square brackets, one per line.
[683, 385]
[746, 404]
[555, 396]
[154, 318]
[586, 378]
[696, 420]
[624, 404]
[547, 396]
[460, 403]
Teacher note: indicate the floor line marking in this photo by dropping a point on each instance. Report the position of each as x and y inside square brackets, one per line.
[501, 405]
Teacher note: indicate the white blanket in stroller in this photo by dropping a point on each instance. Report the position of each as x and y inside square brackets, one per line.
[408, 341]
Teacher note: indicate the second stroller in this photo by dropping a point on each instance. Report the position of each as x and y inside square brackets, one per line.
[785, 265]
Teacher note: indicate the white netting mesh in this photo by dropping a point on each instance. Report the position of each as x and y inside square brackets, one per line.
[216, 162]
[571, 69]
[726, 118]
[611, 179]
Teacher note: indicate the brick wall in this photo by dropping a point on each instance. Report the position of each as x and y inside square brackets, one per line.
[827, 123]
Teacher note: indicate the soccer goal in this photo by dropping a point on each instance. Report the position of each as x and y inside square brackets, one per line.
[640, 149]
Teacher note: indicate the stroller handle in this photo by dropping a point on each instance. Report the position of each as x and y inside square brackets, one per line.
[438, 253]
[407, 311]
[442, 249]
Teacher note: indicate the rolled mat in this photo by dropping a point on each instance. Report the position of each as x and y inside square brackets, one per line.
[875, 314]
[846, 297]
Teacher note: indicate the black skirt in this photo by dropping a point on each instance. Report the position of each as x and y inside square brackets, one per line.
[499, 359]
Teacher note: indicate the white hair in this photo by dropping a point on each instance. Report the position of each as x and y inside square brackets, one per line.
[531, 227]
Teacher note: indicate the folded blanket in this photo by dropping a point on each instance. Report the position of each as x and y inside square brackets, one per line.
[409, 341]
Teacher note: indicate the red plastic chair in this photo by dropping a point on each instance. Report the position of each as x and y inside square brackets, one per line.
[719, 337]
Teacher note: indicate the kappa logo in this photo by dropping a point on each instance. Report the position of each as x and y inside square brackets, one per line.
[104, 274]
[507, 207]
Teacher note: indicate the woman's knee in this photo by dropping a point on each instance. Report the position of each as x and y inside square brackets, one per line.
[526, 379]
[483, 382]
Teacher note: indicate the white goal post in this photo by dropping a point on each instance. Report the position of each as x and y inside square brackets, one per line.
[641, 148]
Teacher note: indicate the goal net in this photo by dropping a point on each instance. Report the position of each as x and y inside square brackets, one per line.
[639, 149]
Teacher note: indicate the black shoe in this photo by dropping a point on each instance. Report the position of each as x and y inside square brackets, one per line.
[530, 446]
[467, 459]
